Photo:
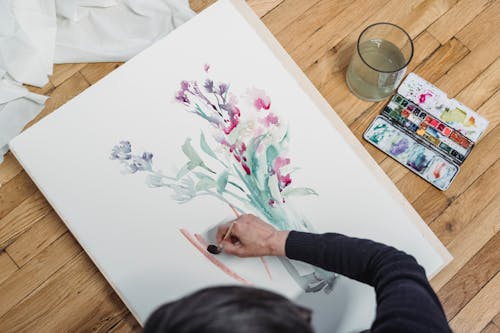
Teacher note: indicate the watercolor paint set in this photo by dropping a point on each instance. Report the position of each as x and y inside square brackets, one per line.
[426, 131]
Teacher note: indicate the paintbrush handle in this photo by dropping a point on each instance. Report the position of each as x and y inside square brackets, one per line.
[228, 232]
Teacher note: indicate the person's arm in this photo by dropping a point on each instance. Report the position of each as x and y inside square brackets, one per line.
[405, 300]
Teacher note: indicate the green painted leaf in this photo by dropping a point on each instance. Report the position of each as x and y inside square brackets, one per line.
[205, 147]
[271, 155]
[205, 184]
[298, 191]
[184, 170]
[222, 181]
[193, 156]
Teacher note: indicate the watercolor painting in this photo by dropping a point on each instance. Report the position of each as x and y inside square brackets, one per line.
[241, 159]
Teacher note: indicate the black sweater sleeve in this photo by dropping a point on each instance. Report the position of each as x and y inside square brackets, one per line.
[405, 299]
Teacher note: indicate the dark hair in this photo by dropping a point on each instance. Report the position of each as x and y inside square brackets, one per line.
[230, 310]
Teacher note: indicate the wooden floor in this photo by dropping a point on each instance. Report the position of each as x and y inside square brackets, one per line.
[48, 284]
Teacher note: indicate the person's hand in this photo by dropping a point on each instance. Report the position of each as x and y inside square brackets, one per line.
[252, 237]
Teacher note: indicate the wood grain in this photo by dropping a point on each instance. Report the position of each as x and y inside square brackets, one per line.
[36, 239]
[47, 284]
[15, 192]
[471, 278]
[480, 310]
[22, 218]
[8, 266]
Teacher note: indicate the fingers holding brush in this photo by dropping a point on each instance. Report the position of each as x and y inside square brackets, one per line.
[249, 236]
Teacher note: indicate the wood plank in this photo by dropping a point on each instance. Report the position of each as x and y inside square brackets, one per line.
[433, 202]
[491, 328]
[329, 35]
[310, 21]
[45, 90]
[473, 34]
[63, 93]
[22, 217]
[9, 168]
[471, 278]
[442, 60]
[94, 72]
[425, 14]
[489, 110]
[334, 88]
[480, 310]
[285, 13]
[473, 64]
[15, 192]
[482, 88]
[334, 31]
[105, 315]
[393, 169]
[7, 266]
[62, 72]
[262, 7]
[51, 307]
[496, 320]
[469, 241]
[199, 5]
[457, 18]
[32, 275]
[127, 325]
[328, 72]
[461, 212]
[411, 185]
[43, 233]
[106, 312]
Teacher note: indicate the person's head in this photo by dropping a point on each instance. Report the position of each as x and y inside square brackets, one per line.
[230, 310]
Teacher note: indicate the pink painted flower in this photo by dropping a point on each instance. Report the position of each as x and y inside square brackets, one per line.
[246, 168]
[284, 181]
[280, 162]
[206, 67]
[260, 99]
[270, 119]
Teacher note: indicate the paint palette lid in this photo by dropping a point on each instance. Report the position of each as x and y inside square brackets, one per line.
[437, 103]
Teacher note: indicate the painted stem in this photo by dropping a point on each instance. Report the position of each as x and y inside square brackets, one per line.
[210, 257]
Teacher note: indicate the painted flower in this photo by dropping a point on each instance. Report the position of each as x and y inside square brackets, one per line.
[140, 163]
[223, 88]
[121, 151]
[259, 99]
[283, 179]
[209, 86]
[270, 119]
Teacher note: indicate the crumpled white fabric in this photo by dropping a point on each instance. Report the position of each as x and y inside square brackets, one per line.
[18, 106]
[27, 38]
[34, 34]
[113, 30]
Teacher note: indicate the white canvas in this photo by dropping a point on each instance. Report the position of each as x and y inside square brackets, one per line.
[131, 230]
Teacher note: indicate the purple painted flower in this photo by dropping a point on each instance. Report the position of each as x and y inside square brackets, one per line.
[223, 88]
[122, 151]
[209, 86]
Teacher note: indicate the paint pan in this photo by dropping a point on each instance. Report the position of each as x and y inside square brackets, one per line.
[426, 132]
[422, 160]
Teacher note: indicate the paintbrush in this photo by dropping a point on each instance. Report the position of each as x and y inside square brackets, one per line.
[216, 249]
